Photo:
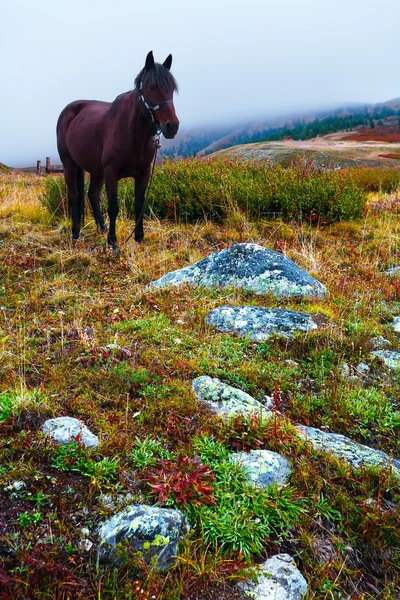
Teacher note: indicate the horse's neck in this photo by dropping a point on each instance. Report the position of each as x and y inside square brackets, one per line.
[140, 126]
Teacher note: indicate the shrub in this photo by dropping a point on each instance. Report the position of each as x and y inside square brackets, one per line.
[193, 189]
[375, 180]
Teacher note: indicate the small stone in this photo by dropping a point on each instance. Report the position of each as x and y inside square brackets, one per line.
[16, 486]
[260, 323]
[151, 532]
[380, 342]
[363, 368]
[396, 324]
[263, 467]
[278, 579]
[250, 267]
[291, 363]
[354, 454]
[389, 357]
[393, 271]
[225, 400]
[345, 370]
[66, 429]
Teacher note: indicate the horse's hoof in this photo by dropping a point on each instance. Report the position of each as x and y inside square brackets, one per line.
[75, 241]
[139, 239]
[102, 228]
[116, 251]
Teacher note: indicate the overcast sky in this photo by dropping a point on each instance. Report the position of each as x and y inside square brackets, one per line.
[233, 59]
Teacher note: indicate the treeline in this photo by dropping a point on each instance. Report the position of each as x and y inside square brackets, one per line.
[298, 129]
[301, 130]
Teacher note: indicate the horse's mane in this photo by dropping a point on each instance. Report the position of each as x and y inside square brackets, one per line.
[159, 76]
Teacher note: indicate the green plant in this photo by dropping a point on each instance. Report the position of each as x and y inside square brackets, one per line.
[147, 452]
[25, 519]
[242, 517]
[72, 457]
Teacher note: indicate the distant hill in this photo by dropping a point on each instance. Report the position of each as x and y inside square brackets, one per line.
[330, 150]
[300, 126]
[3, 168]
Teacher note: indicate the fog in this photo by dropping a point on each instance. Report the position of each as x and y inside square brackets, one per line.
[234, 61]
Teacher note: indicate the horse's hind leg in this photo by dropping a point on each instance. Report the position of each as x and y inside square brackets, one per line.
[70, 174]
[96, 183]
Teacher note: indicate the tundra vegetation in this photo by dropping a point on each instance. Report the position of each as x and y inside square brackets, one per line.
[82, 335]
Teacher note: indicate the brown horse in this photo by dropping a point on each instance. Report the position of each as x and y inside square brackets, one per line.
[112, 140]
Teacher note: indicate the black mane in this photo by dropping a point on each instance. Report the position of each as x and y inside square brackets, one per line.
[158, 76]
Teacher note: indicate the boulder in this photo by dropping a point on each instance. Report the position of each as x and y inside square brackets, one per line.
[66, 429]
[260, 323]
[278, 579]
[225, 400]
[263, 467]
[151, 532]
[248, 266]
[354, 454]
[389, 357]
[396, 324]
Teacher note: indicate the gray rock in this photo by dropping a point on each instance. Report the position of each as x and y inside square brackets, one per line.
[393, 271]
[263, 467]
[354, 454]
[247, 266]
[279, 579]
[259, 323]
[345, 370]
[389, 357]
[64, 429]
[396, 324]
[151, 532]
[380, 342]
[363, 368]
[225, 400]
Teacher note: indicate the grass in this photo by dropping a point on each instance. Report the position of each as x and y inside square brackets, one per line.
[81, 335]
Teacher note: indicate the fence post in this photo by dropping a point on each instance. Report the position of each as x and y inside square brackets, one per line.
[48, 164]
[38, 167]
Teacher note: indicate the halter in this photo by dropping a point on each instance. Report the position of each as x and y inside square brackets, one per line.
[152, 109]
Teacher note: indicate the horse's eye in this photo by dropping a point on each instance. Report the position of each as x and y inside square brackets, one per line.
[152, 88]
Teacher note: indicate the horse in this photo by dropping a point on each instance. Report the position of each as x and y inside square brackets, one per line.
[112, 140]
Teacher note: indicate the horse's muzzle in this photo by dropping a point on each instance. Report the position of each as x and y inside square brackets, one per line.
[170, 130]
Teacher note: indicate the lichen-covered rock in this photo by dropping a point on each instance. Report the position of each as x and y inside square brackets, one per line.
[396, 324]
[279, 579]
[393, 271]
[354, 454]
[224, 399]
[389, 357]
[66, 429]
[151, 532]
[247, 266]
[263, 467]
[260, 323]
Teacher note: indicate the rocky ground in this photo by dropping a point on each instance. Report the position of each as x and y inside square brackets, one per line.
[238, 416]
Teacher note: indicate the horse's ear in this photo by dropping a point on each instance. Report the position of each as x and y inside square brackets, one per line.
[168, 62]
[149, 61]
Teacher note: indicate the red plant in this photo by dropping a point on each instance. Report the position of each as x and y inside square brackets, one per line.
[245, 432]
[185, 480]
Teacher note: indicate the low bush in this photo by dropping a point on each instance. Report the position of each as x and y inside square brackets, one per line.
[375, 180]
[193, 189]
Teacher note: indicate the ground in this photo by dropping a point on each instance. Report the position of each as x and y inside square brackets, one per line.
[82, 335]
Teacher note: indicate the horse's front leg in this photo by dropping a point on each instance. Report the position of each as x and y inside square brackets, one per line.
[141, 181]
[111, 181]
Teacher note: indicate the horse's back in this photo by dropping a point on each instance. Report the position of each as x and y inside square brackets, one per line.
[80, 121]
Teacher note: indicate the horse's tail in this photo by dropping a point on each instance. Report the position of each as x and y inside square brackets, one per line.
[80, 185]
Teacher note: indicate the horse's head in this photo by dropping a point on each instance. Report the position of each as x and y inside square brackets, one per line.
[156, 87]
